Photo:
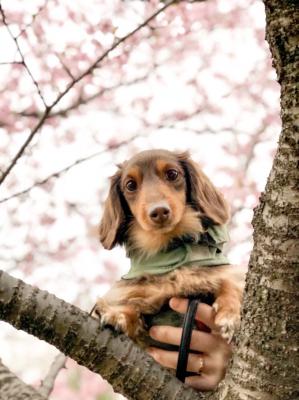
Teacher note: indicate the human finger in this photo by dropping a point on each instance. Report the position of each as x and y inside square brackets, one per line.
[200, 341]
[203, 382]
[197, 363]
[204, 312]
[168, 359]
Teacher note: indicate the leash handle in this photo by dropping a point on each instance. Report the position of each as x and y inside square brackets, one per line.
[184, 348]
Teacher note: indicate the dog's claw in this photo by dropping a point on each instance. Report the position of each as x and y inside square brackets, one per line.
[227, 321]
[104, 322]
[227, 332]
[117, 328]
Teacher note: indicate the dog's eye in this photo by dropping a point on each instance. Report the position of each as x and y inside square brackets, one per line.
[172, 174]
[131, 185]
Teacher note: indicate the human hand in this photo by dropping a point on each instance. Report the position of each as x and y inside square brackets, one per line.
[210, 365]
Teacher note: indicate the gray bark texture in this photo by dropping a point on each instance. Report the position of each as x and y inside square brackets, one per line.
[12, 388]
[265, 363]
[115, 357]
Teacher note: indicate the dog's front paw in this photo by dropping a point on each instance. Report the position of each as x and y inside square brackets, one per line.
[122, 318]
[227, 319]
[115, 319]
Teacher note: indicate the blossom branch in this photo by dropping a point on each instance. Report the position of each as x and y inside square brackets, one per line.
[26, 143]
[23, 62]
[65, 67]
[88, 71]
[60, 172]
[11, 63]
[33, 18]
[82, 100]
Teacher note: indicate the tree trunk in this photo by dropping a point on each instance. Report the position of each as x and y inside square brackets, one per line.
[266, 353]
[12, 388]
[127, 368]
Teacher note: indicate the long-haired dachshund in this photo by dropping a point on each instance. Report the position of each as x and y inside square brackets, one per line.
[171, 219]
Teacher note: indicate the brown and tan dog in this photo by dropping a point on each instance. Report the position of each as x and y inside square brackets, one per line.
[157, 197]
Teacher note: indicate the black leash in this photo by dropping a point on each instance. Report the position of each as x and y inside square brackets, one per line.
[184, 348]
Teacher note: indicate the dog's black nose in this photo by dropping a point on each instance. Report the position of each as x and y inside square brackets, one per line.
[160, 214]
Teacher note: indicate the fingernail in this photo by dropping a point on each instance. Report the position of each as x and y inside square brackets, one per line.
[151, 351]
[174, 302]
[153, 331]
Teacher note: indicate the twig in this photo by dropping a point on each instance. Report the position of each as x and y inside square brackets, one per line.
[22, 149]
[33, 17]
[67, 168]
[11, 62]
[253, 142]
[48, 382]
[107, 52]
[58, 173]
[15, 39]
[82, 100]
[65, 67]
[78, 79]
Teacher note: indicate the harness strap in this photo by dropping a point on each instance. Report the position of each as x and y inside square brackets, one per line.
[184, 348]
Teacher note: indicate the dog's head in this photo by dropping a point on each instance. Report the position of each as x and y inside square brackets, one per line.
[156, 196]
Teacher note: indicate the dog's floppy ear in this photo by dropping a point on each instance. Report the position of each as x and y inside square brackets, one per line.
[112, 225]
[202, 194]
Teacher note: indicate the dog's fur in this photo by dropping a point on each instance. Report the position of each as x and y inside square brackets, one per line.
[194, 204]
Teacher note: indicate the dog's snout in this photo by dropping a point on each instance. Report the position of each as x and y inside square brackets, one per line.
[160, 214]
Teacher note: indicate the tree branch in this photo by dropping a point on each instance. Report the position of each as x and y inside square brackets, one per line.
[62, 171]
[11, 63]
[88, 71]
[23, 62]
[23, 148]
[130, 370]
[33, 18]
[12, 388]
[48, 382]
[80, 100]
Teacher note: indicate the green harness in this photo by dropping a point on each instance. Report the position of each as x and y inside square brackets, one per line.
[203, 250]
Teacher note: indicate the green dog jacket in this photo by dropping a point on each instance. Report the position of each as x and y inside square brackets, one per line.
[203, 250]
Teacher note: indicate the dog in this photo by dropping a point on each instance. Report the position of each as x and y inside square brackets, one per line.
[172, 221]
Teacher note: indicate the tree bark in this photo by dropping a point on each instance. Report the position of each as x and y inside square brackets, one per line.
[12, 388]
[265, 363]
[128, 369]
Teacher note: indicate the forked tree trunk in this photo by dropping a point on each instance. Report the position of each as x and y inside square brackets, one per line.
[265, 364]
